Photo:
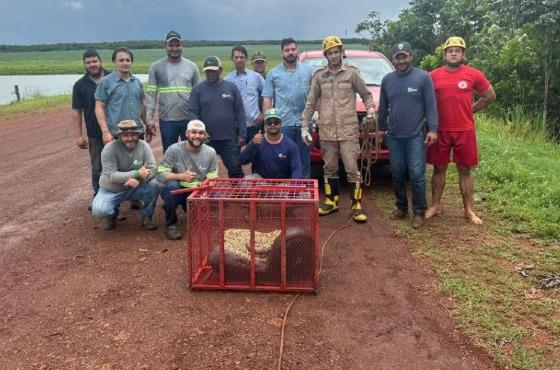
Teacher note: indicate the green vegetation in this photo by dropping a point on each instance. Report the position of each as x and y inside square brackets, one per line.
[70, 61]
[35, 104]
[516, 192]
[515, 42]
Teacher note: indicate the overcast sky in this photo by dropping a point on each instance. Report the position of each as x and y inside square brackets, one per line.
[52, 21]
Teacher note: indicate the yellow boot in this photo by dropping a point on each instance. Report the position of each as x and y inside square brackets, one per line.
[358, 213]
[331, 197]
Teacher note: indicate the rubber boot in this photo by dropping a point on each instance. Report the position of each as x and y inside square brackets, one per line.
[331, 197]
[358, 213]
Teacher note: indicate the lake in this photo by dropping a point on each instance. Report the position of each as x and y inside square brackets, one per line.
[45, 85]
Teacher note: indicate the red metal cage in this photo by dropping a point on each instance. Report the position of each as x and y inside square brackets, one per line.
[254, 234]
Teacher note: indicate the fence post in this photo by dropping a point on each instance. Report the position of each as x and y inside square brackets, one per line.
[16, 90]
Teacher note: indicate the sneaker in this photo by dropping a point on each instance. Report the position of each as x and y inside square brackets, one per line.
[147, 223]
[172, 232]
[418, 221]
[398, 213]
[109, 223]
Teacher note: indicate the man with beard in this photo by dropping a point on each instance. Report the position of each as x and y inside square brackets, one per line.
[83, 105]
[286, 88]
[336, 86]
[128, 173]
[272, 155]
[120, 96]
[407, 101]
[455, 84]
[250, 84]
[185, 165]
[170, 82]
[218, 104]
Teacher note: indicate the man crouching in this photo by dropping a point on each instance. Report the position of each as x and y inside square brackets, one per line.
[185, 165]
[128, 174]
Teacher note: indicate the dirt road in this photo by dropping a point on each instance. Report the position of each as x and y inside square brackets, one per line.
[76, 297]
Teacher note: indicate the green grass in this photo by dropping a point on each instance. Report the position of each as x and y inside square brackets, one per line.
[516, 190]
[34, 104]
[67, 62]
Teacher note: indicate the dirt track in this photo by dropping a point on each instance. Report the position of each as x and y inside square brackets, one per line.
[74, 296]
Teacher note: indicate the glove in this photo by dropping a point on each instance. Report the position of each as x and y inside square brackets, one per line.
[305, 136]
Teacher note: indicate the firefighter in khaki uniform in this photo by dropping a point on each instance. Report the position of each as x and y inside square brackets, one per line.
[333, 94]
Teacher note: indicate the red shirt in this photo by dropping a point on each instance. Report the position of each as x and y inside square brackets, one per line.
[454, 95]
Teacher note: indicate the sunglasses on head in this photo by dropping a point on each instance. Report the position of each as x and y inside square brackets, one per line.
[272, 122]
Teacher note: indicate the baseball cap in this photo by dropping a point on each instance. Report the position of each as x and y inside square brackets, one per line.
[196, 124]
[259, 55]
[272, 113]
[402, 47]
[212, 63]
[172, 35]
[128, 125]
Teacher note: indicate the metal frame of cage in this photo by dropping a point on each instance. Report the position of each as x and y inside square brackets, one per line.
[208, 215]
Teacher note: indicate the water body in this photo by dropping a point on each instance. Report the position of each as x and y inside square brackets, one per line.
[44, 85]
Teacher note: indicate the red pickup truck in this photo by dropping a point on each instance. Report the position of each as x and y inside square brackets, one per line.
[373, 67]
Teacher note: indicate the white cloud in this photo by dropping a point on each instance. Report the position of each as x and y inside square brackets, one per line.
[73, 4]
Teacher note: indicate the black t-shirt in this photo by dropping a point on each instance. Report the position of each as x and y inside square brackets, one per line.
[83, 97]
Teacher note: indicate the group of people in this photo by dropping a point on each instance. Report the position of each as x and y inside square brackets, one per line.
[268, 115]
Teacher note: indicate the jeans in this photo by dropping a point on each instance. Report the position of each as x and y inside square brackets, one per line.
[229, 152]
[294, 133]
[95, 146]
[408, 157]
[170, 131]
[106, 203]
[172, 201]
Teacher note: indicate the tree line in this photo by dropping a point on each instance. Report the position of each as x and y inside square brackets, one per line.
[153, 44]
[515, 42]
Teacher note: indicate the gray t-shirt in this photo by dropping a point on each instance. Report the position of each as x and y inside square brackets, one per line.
[119, 164]
[173, 82]
[178, 159]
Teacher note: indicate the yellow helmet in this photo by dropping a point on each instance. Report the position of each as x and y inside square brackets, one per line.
[330, 42]
[455, 41]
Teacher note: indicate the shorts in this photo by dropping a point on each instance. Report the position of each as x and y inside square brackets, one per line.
[461, 143]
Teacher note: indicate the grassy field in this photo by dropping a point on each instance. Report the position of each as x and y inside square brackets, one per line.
[67, 62]
[516, 192]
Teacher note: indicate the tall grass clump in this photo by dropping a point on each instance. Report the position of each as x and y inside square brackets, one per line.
[519, 174]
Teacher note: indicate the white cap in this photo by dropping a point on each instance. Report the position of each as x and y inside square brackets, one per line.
[196, 124]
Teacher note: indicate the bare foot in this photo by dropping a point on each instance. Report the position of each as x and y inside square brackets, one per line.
[432, 211]
[472, 217]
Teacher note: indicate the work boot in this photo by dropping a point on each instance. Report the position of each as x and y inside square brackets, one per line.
[172, 232]
[418, 221]
[398, 213]
[109, 223]
[147, 223]
[331, 197]
[358, 213]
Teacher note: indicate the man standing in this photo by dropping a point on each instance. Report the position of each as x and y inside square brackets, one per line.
[185, 165]
[83, 105]
[336, 86]
[287, 86]
[218, 103]
[119, 96]
[454, 84]
[259, 63]
[272, 155]
[407, 101]
[250, 84]
[128, 174]
[170, 82]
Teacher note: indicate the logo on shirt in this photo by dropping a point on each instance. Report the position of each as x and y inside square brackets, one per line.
[282, 155]
[412, 89]
[462, 85]
[227, 96]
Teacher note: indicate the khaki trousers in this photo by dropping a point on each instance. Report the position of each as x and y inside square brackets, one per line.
[349, 150]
